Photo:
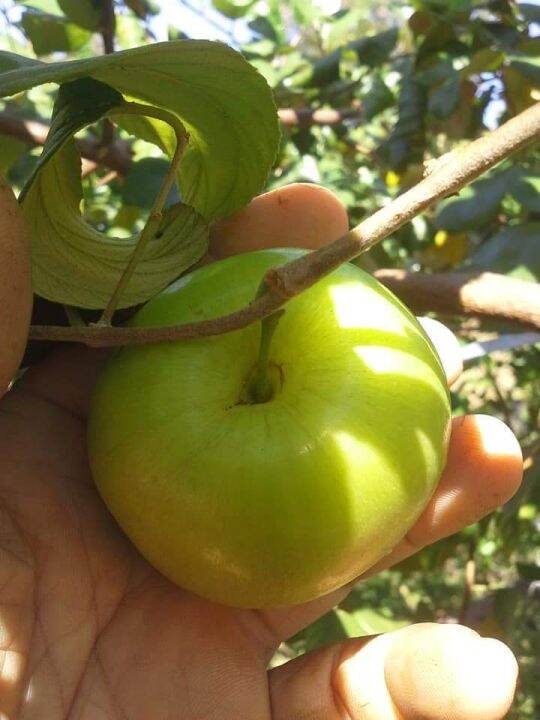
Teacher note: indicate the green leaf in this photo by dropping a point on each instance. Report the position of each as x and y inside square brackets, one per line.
[366, 621]
[79, 103]
[50, 33]
[476, 205]
[530, 12]
[142, 8]
[406, 141]
[85, 13]
[47, 6]
[10, 151]
[528, 571]
[378, 98]
[371, 51]
[76, 265]
[151, 130]
[514, 251]
[225, 105]
[526, 190]
[485, 60]
[527, 65]
[12, 61]
[444, 100]
[233, 8]
[143, 182]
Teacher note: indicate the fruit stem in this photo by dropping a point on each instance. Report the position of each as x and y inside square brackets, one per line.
[155, 216]
[260, 389]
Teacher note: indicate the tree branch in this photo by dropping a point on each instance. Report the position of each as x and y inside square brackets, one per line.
[116, 156]
[446, 177]
[482, 295]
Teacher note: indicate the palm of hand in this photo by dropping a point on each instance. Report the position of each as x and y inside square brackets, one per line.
[90, 629]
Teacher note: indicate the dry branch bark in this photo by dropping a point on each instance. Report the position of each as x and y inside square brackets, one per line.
[116, 156]
[482, 295]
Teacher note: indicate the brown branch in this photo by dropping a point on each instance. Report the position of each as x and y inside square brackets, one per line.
[446, 177]
[481, 295]
[116, 156]
[108, 26]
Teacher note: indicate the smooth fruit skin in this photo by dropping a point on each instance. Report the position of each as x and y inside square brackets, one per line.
[277, 503]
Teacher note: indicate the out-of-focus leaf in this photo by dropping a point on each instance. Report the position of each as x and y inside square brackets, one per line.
[225, 105]
[436, 73]
[530, 12]
[526, 189]
[262, 26]
[341, 624]
[371, 51]
[344, 29]
[143, 182]
[518, 90]
[10, 151]
[485, 60]
[50, 33]
[527, 65]
[476, 205]
[528, 571]
[78, 104]
[47, 6]
[126, 217]
[378, 97]
[366, 621]
[142, 8]
[406, 142]
[130, 32]
[514, 251]
[444, 99]
[74, 264]
[85, 13]
[233, 8]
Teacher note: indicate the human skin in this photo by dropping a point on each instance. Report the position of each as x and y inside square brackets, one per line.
[89, 631]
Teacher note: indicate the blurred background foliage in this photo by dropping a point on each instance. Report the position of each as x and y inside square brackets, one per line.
[368, 91]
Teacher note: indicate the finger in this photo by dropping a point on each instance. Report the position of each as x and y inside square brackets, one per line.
[435, 672]
[483, 470]
[298, 215]
[15, 286]
[447, 346]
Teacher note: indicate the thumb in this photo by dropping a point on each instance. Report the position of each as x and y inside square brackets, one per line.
[15, 286]
[429, 671]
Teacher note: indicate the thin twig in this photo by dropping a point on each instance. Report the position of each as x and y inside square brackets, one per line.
[446, 178]
[108, 26]
[155, 216]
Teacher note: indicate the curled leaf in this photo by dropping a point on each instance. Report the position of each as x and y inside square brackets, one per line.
[225, 105]
[74, 264]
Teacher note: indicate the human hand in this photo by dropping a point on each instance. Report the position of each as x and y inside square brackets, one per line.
[89, 631]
